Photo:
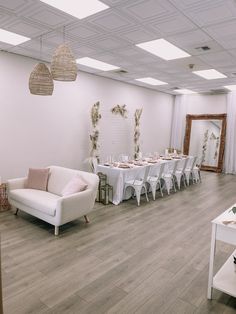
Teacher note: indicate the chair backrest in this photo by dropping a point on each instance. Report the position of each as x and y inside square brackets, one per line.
[193, 163]
[185, 163]
[161, 170]
[142, 174]
[176, 163]
[146, 173]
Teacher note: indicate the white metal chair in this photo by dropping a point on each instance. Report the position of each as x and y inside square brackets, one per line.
[169, 177]
[138, 184]
[197, 171]
[189, 170]
[180, 172]
[155, 178]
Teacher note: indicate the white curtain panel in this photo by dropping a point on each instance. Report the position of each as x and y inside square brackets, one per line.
[178, 122]
[230, 148]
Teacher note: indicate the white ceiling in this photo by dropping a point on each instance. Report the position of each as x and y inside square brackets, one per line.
[111, 35]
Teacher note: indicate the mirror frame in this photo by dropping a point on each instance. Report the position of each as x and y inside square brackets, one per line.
[222, 117]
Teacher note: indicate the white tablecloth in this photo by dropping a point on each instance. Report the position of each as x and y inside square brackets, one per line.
[116, 177]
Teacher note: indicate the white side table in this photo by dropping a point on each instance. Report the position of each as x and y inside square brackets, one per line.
[225, 279]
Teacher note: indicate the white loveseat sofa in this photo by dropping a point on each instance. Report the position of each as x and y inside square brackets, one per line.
[49, 205]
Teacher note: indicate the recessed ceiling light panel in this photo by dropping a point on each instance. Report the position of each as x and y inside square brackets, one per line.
[78, 8]
[163, 49]
[230, 87]
[12, 38]
[210, 74]
[96, 64]
[184, 91]
[150, 81]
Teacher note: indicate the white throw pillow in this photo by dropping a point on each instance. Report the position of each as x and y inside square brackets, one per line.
[75, 185]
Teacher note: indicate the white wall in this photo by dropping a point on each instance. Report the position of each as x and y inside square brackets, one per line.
[37, 131]
[203, 104]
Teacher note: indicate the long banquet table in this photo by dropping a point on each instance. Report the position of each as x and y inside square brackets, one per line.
[118, 176]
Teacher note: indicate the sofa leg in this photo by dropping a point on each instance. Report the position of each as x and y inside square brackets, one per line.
[16, 212]
[56, 231]
[86, 219]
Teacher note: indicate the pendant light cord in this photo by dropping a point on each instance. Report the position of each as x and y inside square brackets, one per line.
[64, 34]
[41, 46]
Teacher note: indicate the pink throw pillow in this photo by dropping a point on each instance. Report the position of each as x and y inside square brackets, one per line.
[37, 179]
[75, 185]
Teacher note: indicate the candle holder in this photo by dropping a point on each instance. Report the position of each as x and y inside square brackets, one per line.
[106, 194]
[105, 190]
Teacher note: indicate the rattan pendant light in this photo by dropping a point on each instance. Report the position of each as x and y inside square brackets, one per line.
[40, 80]
[63, 65]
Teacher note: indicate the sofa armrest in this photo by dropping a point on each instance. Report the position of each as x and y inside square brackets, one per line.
[81, 199]
[14, 184]
[74, 206]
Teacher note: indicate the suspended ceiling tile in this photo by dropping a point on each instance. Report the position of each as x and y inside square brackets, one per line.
[25, 28]
[221, 30]
[49, 18]
[227, 42]
[130, 51]
[12, 4]
[148, 9]
[80, 31]
[111, 21]
[218, 59]
[56, 38]
[194, 38]
[194, 4]
[174, 24]
[113, 2]
[139, 35]
[216, 13]
[5, 19]
[109, 43]
[108, 57]
[4, 46]
[83, 50]
[26, 51]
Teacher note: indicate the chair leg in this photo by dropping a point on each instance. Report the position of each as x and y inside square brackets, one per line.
[138, 193]
[173, 182]
[153, 188]
[199, 174]
[167, 184]
[145, 189]
[56, 232]
[187, 176]
[161, 188]
[86, 219]
[16, 212]
[179, 182]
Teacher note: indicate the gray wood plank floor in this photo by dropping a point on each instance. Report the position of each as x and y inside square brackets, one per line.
[129, 259]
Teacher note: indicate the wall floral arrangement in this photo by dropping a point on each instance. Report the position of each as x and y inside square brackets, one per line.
[94, 136]
[137, 116]
[120, 110]
[204, 146]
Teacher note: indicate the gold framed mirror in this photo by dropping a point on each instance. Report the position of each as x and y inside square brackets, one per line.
[205, 138]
